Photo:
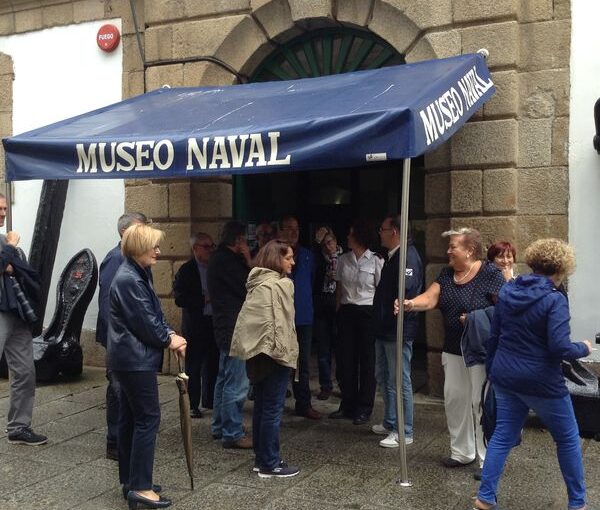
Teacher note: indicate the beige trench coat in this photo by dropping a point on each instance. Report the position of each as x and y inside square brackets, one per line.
[266, 322]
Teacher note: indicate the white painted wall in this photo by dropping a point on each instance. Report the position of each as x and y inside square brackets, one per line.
[584, 170]
[61, 72]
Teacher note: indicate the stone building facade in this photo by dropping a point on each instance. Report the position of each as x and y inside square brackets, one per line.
[505, 172]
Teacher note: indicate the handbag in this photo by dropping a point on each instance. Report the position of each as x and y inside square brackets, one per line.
[488, 411]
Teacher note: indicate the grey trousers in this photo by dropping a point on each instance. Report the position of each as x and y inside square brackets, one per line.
[17, 345]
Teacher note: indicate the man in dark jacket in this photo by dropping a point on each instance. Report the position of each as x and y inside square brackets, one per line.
[15, 341]
[303, 275]
[386, 330]
[190, 289]
[108, 269]
[227, 274]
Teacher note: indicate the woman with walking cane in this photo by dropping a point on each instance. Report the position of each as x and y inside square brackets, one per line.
[137, 336]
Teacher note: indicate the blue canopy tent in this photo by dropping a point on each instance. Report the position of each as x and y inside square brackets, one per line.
[336, 121]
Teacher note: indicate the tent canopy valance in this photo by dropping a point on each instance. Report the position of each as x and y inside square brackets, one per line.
[337, 121]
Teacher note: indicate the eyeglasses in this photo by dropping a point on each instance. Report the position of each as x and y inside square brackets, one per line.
[207, 246]
[381, 229]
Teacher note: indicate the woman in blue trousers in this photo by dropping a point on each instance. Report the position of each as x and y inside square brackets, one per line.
[530, 336]
[265, 336]
[137, 336]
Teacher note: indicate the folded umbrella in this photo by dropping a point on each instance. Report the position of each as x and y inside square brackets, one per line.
[184, 416]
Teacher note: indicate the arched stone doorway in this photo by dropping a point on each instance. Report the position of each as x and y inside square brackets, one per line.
[332, 197]
[335, 197]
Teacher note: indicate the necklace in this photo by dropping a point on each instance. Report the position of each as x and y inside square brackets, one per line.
[458, 280]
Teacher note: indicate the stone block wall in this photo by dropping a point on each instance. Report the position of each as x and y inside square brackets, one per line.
[505, 172]
[6, 108]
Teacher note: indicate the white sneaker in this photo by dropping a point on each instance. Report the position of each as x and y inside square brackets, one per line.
[380, 430]
[391, 441]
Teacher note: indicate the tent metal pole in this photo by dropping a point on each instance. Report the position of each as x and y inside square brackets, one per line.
[403, 481]
[9, 216]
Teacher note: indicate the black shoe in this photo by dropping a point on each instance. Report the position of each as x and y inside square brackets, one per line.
[453, 463]
[324, 394]
[281, 471]
[27, 436]
[217, 436]
[339, 415]
[196, 413]
[135, 500]
[309, 413]
[112, 453]
[361, 419]
[477, 474]
[125, 488]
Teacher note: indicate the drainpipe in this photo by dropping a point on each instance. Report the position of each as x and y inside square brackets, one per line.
[597, 120]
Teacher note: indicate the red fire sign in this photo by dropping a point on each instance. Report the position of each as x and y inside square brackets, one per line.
[108, 37]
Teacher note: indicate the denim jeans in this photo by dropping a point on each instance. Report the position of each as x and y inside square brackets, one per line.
[385, 373]
[139, 419]
[302, 386]
[269, 401]
[112, 409]
[558, 416]
[231, 389]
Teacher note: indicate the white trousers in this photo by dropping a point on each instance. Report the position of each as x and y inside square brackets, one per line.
[462, 396]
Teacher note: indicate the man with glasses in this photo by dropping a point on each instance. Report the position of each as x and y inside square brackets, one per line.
[108, 269]
[386, 328]
[264, 233]
[190, 289]
[303, 274]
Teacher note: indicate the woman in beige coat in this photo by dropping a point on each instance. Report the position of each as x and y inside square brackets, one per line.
[265, 336]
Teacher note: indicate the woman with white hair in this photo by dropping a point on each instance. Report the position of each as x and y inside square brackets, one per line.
[137, 336]
[467, 284]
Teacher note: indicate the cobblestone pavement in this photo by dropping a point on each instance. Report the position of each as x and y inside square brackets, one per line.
[341, 464]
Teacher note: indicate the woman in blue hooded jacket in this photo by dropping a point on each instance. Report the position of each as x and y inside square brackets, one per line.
[529, 338]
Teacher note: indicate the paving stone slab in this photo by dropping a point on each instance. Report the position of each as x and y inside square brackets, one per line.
[218, 496]
[81, 449]
[17, 473]
[62, 408]
[209, 466]
[65, 490]
[342, 484]
[93, 396]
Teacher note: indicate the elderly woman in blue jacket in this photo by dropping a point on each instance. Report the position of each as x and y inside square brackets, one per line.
[530, 336]
[137, 336]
